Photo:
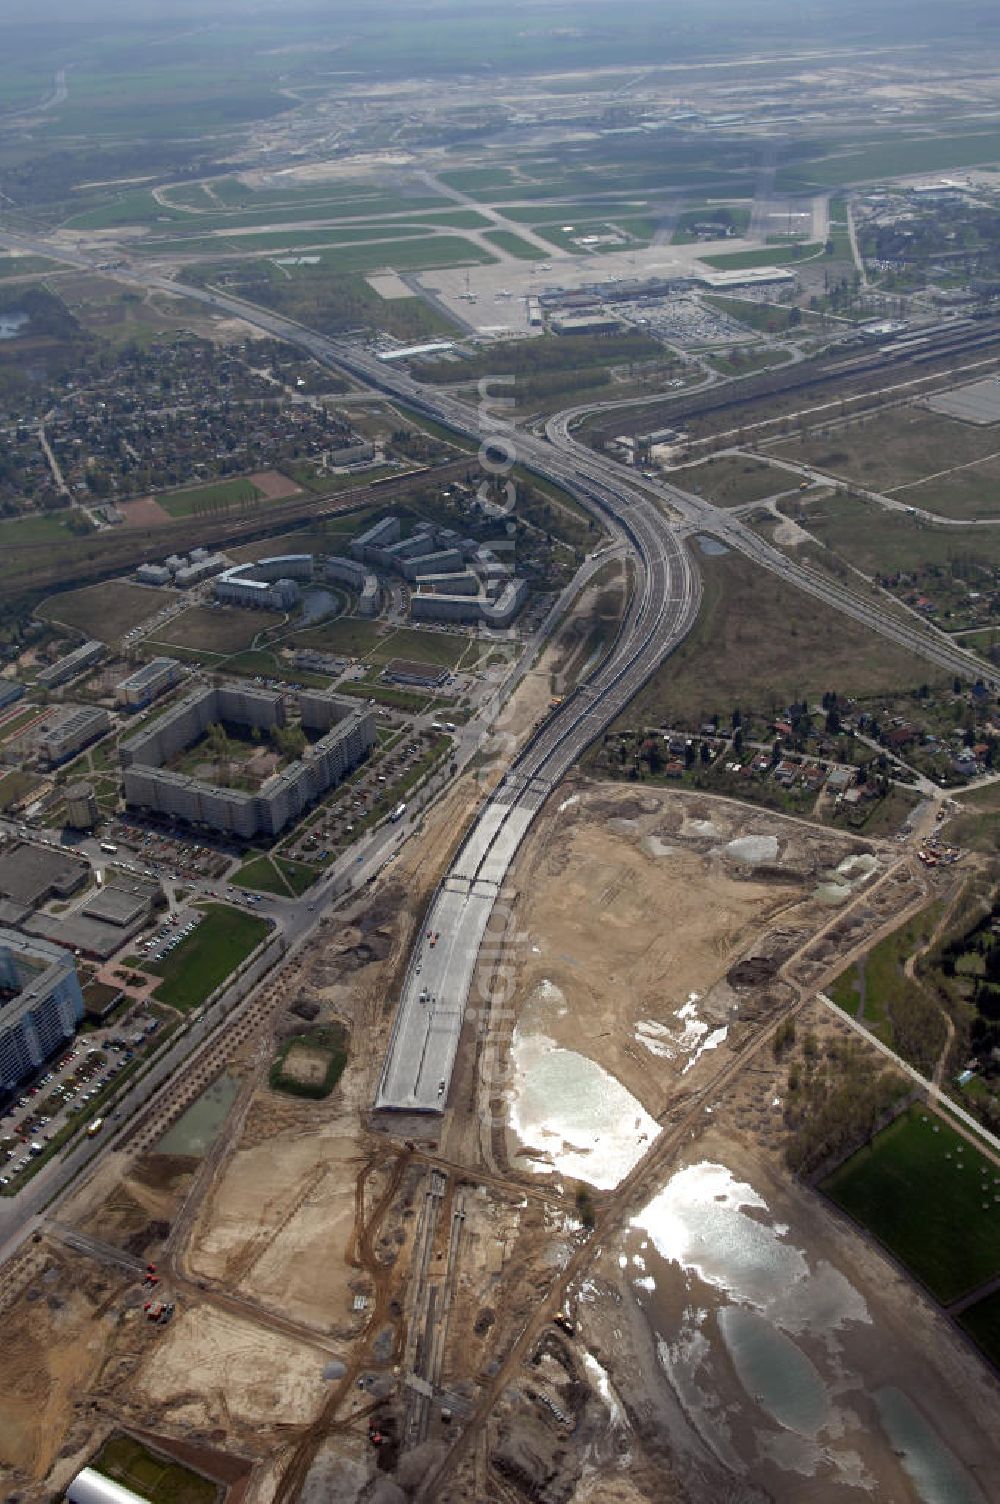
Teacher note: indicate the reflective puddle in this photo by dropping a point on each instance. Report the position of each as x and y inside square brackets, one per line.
[936, 1473]
[774, 1371]
[11, 324]
[195, 1129]
[574, 1117]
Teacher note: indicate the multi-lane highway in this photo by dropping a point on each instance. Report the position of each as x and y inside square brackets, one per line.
[651, 519]
[442, 969]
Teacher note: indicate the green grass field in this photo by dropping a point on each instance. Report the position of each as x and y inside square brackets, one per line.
[31, 541]
[743, 361]
[362, 639]
[978, 825]
[418, 254]
[104, 613]
[208, 955]
[731, 480]
[208, 630]
[889, 159]
[291, 240]
[880, 977]
[759, 643]
[923, 459]
[26, 266]
[514, 245]
[276, 874]
[310, 1065]
[220, 496]
[153, 1477]
[920, 1189]
[765, 318]
[348, 636]
[777, 255]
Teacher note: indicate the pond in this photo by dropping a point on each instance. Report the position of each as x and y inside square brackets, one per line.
[196, 1128]
[12, 323]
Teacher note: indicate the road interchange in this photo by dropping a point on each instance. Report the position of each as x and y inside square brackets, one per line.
[653, 521]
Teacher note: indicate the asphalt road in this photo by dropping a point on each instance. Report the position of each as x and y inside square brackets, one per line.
[652, 519]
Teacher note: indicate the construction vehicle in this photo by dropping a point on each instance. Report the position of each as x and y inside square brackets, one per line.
[158, 1310]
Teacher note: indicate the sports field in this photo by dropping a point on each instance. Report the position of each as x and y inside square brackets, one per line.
[219, 496]
[161, 1481]
[930, 1198]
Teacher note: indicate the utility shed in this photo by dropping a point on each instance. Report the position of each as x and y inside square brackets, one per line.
[92, 1487]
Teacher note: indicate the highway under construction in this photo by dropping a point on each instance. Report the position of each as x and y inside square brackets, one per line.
[653, 521]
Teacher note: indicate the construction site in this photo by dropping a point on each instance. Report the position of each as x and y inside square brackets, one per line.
[538, 1293]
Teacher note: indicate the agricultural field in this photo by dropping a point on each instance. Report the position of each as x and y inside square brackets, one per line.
[103, 612]
[930, 1197]
[214, 949]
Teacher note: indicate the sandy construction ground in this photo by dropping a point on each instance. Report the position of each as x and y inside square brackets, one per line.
[310, 1253]
[636, 906]
[212, 1369]
[145, 511]
[281, 1210]
[53, 1344]
[274, 485]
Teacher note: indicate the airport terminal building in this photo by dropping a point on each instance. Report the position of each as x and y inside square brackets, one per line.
[40, 1004]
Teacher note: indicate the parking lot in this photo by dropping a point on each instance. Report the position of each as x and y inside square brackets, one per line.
[67, 1091]
[380, 785]
[169, 936]
[683, 320]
